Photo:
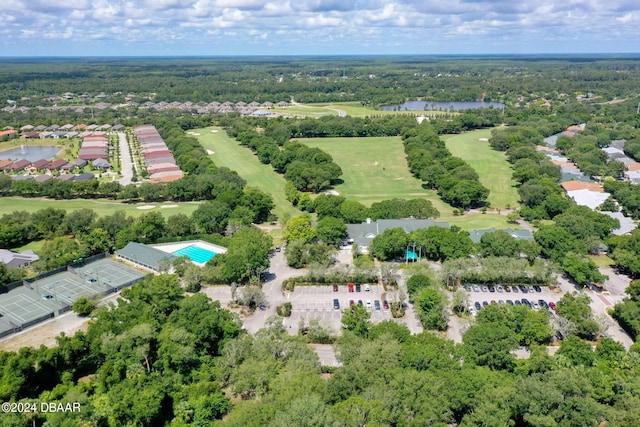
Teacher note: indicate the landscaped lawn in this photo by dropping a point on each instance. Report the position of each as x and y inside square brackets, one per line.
[375, 169]
[102, 207]
[227, 152]
[492, 166]
[480, 221]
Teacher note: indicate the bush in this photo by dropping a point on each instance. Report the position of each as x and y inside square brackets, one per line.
[83, 306]
[284, 310]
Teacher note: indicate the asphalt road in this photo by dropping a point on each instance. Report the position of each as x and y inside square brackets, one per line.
[126, 167]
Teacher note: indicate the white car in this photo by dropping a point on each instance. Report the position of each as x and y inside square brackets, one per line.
[367, 288]
[368, 303]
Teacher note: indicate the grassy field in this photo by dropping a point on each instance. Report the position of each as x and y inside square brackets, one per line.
[480, 221]
[375, 169]
[492, 167]
[227, 152]
[102, 207]
[353, 109]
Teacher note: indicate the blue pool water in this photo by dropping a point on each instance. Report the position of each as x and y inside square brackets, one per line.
[196, 254]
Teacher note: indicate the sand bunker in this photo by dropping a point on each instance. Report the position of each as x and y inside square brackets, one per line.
[146, 207]
[483, 139]
[214, 131]
[168, 206]
[209, 152]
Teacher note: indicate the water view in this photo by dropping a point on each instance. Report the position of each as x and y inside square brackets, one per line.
[31, 153]
[432, 105]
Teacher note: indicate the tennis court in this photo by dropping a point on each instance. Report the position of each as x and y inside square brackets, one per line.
[109, 274]
[23, 307]
[67, 287]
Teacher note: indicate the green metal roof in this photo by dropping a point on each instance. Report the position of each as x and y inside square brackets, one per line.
[144, 255]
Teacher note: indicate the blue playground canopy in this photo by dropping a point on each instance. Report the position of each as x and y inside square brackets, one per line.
[412, 255]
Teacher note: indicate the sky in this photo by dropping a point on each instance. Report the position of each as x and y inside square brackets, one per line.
[316, 27]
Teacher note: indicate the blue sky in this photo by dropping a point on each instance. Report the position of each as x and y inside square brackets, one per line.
[316, 27]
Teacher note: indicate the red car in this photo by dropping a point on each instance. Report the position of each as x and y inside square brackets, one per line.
[350, 286]
[335, 288]
[385, 304]
[552, 305]
[351, 302]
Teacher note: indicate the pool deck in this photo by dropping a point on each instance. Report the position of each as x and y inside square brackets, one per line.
[176, 246]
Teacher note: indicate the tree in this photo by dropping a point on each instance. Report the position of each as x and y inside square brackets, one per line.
[83, 306]
[356, 319]
[211, 217]
[498, 243]
[299, 228]
[331, 230]
[431, 306]
[417, 283]
[392, 243]
[253, 297]
[353, 212]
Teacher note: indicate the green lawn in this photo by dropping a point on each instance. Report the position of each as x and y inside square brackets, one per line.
[353, 109]
[479, 221]
[102, 207]
[227, 152]
[492, 167]
[375, 169]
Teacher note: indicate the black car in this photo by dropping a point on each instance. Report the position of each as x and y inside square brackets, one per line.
[509, 302]
[526, 302]
[507, 288]
[484, 303]
[376, 304]
[518, 302]
[523, 289]
[537, 288]
[492, 288]
[358, 287]
[514, 289]
[543, 304]
[336, 304]
[478, 305]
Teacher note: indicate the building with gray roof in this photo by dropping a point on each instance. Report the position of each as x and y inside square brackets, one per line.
[476, 235]
[363, 233]
[144, 256]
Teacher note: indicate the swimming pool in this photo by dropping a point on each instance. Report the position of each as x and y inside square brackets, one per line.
[196, 254]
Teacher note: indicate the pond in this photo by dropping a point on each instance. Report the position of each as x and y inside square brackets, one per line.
[31, 153]
[432, 105]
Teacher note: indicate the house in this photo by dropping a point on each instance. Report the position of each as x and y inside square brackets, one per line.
[57, 164]
[85, 176]
[581, 185]
[18, 165]
[10, 133]
[42, 178]
[13, 259]
[144, 256]
[4, 164]
[29, 135]
[101, 164]
[363, 233]
[39, 164]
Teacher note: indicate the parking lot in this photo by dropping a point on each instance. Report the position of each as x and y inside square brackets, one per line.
[497, 294]
[317, 302]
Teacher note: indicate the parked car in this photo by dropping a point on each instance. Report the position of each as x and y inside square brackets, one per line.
[492, 288]
[552, 305]
[509, 302]
[350, 286]
[514, 289]
[335, 288]
[336, 304]
[543, 304]
[526, 302]
[476, 288]
[537, 288]
[523, 289]
[484, 303]
[507, 288]
[467, 288]
[530, 289]
[478, 306]
[360, 303]
[499, 288]
[358, 288]
[518, 302]
[351, 302]
[376, 304]
[535, 305]
[368, 303]
[485, 289]
[385, 304]
[277, 248]
[367, 288]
